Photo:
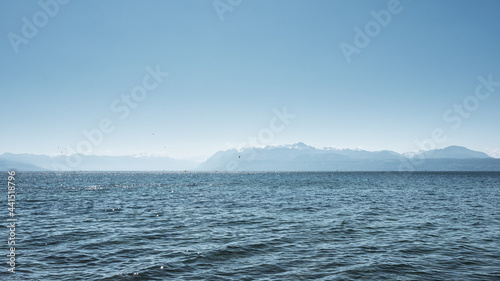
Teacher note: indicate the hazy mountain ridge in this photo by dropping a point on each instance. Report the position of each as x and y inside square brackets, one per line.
[16, 165]
[300, 157]
[294, 157]
[33, 162]
[456, 152]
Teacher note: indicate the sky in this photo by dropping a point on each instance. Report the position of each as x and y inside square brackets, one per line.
[188, 78]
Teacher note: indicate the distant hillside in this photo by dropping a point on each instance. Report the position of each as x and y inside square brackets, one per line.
[453, 152]
[96, 163]
[7, 165]
[300, 157]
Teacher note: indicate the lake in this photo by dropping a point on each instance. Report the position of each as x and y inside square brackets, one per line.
[256, 226]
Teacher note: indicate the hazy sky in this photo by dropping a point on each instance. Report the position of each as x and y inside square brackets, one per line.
[351, 76]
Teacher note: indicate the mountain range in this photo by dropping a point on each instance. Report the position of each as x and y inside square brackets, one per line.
[77, 162]
[295, 157]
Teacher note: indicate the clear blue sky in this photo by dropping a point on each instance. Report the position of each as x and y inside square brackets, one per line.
[226, 76]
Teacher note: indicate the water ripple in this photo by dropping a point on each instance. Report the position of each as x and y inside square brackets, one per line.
[258, 226]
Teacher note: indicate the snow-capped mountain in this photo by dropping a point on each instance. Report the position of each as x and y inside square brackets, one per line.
[301, 157]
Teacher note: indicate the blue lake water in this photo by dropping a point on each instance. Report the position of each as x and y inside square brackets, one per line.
[256, 226]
